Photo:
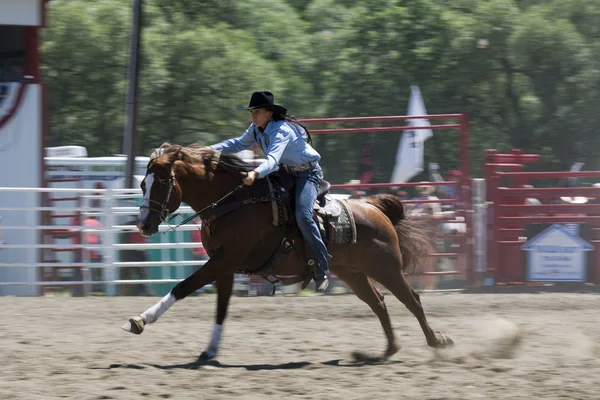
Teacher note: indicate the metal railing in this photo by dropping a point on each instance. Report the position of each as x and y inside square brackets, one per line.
[108, 214]
[31, 243]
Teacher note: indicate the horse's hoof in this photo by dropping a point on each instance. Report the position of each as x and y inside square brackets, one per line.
[207, 355]
[134, 325]
[391, 351]
[443, 340]
[360, 357]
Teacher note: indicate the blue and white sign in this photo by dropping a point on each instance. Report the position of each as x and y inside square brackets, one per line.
[557, 255]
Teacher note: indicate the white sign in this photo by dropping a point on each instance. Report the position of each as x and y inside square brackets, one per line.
[66, 151]
[91, 170]
[556, 255]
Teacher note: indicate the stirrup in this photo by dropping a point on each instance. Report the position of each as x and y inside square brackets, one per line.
[322, 284]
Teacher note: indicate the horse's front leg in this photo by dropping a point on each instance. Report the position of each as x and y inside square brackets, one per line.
[224, 285]
[214, 267]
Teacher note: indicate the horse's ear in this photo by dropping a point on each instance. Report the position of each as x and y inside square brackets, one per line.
[160, 151]
[157, 153]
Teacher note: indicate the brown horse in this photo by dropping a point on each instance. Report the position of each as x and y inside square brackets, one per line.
[243, 238]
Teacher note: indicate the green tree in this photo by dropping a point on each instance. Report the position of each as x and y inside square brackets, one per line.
[84, 65]
[535, 85]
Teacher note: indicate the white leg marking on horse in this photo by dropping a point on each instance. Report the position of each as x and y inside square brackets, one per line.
[153, 313]
[215, 340]
[145, 210]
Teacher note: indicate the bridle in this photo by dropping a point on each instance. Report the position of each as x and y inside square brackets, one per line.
[163, 209]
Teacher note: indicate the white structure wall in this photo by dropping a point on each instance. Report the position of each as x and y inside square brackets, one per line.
[21, 12]
[20, 166]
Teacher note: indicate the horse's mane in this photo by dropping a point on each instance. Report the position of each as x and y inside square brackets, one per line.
[211, 159]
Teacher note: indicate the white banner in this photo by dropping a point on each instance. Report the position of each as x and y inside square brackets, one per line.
[409, 157]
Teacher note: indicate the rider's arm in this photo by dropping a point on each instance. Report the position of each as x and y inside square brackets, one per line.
[278, 141]
[237, 144]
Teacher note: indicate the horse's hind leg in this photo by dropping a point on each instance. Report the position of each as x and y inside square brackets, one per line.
[364, 290]
[393, 279]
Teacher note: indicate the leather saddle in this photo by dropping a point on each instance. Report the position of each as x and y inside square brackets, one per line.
[324, 189]
[336, 224]
[288, 183]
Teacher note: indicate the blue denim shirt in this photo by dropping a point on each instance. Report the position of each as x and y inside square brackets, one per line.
[282, 141]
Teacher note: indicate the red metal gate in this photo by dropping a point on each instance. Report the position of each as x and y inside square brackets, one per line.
[509, 214]
[462, 202]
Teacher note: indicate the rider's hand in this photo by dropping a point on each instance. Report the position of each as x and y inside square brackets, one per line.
[250, 178]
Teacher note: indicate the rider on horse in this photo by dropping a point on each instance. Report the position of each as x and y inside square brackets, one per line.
[282, 139]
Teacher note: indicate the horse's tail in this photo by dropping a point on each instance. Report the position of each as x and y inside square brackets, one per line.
[413, 239]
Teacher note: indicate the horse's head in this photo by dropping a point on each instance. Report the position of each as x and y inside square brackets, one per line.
[162, 193]
[173, 167]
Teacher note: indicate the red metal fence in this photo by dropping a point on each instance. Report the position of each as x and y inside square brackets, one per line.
[459, 242]
[509, 214]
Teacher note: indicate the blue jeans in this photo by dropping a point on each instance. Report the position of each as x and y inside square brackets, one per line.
[307, 188]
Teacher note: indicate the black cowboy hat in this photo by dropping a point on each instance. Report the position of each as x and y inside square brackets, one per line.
[263, 100]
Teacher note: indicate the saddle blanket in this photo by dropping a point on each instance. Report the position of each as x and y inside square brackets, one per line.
[336, 222]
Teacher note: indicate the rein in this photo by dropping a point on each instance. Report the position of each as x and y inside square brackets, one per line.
[163, 209]
[209, 207]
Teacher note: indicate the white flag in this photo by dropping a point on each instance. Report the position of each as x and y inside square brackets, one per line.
[409, 157]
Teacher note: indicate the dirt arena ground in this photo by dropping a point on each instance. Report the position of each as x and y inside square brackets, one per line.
[508, 346]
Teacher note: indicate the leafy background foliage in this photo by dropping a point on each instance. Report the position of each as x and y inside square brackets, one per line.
[536, 87]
